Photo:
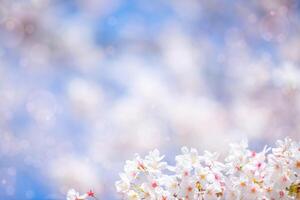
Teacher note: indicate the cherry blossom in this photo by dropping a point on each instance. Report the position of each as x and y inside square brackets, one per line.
[74, 195]
[244, 174]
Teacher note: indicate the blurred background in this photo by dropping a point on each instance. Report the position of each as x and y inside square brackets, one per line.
[84, 84]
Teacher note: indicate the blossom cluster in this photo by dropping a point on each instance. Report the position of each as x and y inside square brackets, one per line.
[270, 174]
[74, 195]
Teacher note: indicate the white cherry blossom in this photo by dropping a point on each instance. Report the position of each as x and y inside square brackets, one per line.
[244, 174]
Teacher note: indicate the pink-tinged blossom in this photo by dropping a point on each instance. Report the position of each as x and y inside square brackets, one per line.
[74, 195]
[270, 174]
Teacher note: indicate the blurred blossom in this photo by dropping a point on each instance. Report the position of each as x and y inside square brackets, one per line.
[84, 97]
[42, 106]
[85, 84]
[83, 175]
[287, 76]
